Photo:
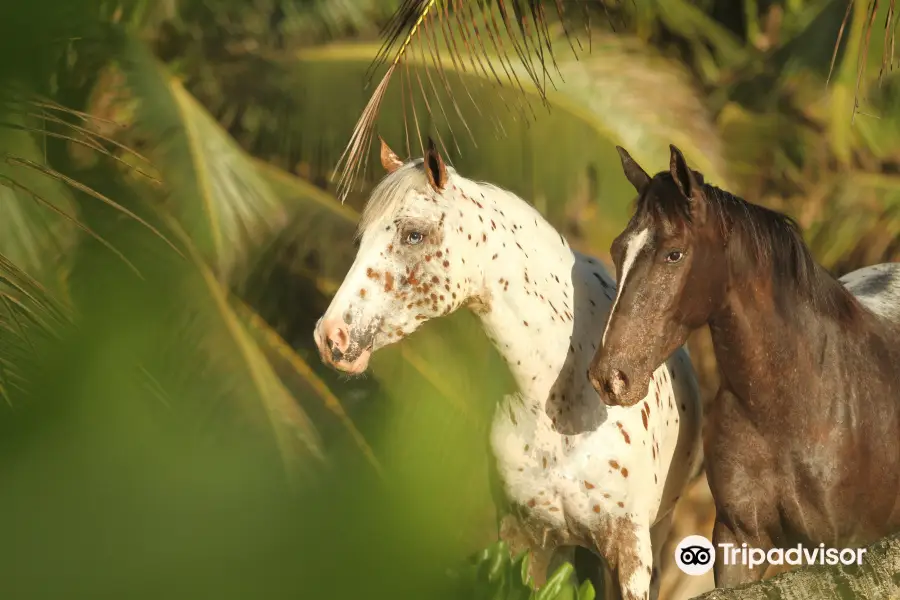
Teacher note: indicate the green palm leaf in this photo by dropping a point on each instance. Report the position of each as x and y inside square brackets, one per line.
[37, 234]
[215, 193]
[204, 360]
[36, 230]
[318, 232]
[281, 352]
[220, 210]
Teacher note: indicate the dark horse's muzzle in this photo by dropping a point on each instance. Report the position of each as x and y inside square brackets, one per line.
[615, 383]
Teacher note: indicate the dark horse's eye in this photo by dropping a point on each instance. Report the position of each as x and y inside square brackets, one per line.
[414, 237]
[674, 256]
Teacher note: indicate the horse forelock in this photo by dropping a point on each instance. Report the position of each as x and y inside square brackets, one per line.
[661, 201]
[393, 193]
[390, 194]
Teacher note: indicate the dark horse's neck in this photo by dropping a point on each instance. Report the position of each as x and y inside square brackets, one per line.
[767, 323]
[780, 305]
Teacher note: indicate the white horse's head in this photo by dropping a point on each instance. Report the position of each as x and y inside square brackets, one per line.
[415, 234]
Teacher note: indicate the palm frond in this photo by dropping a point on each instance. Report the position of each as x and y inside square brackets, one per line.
[268, 338]
[211, 319]
[863, 17]
[227, 209]
[612, 97]
[36, 231]
[316, 232]
[482, 34]
[30, 318]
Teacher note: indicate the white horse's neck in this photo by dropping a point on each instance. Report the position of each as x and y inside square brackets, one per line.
[527, 267]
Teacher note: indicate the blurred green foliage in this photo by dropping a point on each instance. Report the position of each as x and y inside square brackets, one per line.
[493, 574]
[169, 235]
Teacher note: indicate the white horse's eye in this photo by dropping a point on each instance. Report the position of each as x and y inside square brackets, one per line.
[414, 237]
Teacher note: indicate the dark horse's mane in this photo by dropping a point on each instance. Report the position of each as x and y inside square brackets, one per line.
[764, 238]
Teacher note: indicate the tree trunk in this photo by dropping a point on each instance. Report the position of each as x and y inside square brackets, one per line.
[878, 578]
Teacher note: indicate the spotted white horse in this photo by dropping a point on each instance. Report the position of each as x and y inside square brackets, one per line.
[574, 472]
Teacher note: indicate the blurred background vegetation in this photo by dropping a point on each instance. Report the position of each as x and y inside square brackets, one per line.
[170, 233]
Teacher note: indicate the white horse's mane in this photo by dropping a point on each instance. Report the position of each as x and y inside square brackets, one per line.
[389, 194]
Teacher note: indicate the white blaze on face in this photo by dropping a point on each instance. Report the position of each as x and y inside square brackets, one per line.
[632, 248]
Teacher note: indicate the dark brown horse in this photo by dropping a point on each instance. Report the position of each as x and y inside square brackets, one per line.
[803, 440]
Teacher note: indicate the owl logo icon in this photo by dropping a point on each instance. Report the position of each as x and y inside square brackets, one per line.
[695, 555]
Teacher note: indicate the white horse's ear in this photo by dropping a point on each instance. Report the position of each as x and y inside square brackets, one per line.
[389, 159]
[435, 169]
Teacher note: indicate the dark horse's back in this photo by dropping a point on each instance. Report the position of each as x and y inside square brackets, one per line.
[827, 432]
[874, 407]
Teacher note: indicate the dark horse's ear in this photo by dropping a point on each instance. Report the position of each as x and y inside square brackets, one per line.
[688, 181]
[633, 171]
[435, 169]
[684, 177]
[389, 159]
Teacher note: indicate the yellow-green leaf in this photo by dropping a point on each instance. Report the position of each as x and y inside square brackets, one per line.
[214, 189]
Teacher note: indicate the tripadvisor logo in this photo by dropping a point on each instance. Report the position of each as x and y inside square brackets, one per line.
[797, 555]
[695, 555]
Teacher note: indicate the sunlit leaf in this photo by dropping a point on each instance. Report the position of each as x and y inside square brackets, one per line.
[314, 386]
[319, 231]
[34, 232]
[290, 426]
[214, 190]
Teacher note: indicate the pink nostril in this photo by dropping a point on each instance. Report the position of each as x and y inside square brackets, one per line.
[337, 338]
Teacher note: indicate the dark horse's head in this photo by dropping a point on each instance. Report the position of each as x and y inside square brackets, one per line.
[671, 273]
